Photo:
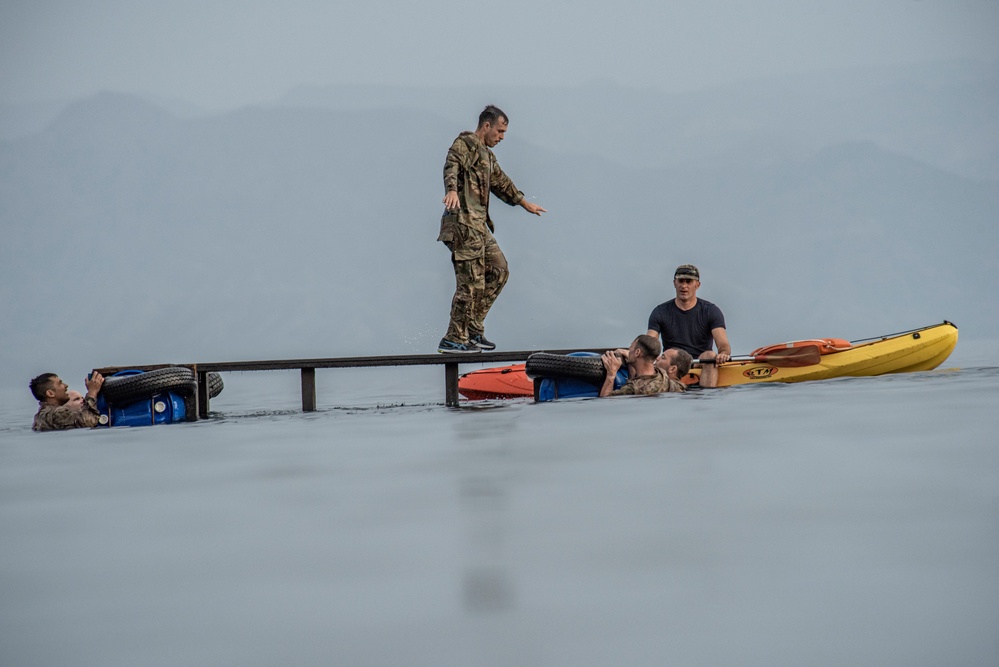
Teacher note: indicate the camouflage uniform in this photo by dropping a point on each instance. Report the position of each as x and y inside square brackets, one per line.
[657, 383]
[62, 417]
[480, 269]
[674, 386]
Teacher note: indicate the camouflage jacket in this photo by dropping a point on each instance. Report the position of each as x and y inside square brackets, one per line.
[674, 386]
[657, 383]
[62, 417]
[472, 171]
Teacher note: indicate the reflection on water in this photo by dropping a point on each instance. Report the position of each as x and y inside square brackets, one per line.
[487, 590]
[483, 485]
[752, 525]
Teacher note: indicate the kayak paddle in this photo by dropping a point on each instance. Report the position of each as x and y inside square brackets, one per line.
[788, 357]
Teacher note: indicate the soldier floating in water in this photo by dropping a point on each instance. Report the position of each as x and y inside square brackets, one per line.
[57, 411]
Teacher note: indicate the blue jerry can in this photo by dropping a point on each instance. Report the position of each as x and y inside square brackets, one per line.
[162, 408]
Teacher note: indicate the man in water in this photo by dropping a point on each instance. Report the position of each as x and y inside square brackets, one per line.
[674, 363]
[643, 378]
[54, 413]
[692, 324]
[471, 173]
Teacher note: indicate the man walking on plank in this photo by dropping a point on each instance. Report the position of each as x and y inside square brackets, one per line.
[471, 173]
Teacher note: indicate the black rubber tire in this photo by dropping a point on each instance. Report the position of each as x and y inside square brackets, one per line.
[215, 384]
[128, 388]
[547, 365]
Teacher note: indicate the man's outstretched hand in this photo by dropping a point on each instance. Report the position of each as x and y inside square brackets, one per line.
[531, 207]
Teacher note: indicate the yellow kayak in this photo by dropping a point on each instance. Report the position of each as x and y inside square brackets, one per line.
[905, 352]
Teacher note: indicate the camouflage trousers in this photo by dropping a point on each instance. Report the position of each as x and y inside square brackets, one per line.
[480, 272]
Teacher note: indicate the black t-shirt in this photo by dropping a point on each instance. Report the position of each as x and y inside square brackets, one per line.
[688, 330]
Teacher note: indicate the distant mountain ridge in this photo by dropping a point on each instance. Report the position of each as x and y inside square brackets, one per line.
[891, 106]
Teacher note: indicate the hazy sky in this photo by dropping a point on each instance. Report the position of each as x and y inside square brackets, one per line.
[222, 53]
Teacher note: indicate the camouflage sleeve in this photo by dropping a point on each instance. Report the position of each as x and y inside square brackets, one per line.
[503, 187]
[89, 415]
[457, 155]
[64, 417]
[626, 390]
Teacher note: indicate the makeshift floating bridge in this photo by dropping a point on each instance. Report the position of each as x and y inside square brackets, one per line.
[198, 407]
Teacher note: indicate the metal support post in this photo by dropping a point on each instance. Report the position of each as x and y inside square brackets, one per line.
[202, 398]
[308, 390]
[451, 385]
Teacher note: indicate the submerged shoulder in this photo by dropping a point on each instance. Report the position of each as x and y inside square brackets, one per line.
[62, 417]
[45, 418]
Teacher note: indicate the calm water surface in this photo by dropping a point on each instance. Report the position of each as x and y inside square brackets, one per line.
[848, 522]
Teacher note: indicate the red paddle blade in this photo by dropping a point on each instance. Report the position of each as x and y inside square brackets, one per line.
[791, 357]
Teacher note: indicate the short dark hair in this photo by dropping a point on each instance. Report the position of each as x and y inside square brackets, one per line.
[682, 361]
[491, 114]
[649, 345]
[41, 384]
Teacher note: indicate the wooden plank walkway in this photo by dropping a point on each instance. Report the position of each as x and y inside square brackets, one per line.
[199, 406]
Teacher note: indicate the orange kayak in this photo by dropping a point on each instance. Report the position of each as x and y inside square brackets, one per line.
[502, 382]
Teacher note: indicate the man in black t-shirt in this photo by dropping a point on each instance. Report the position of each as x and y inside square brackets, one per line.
[692, 324]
